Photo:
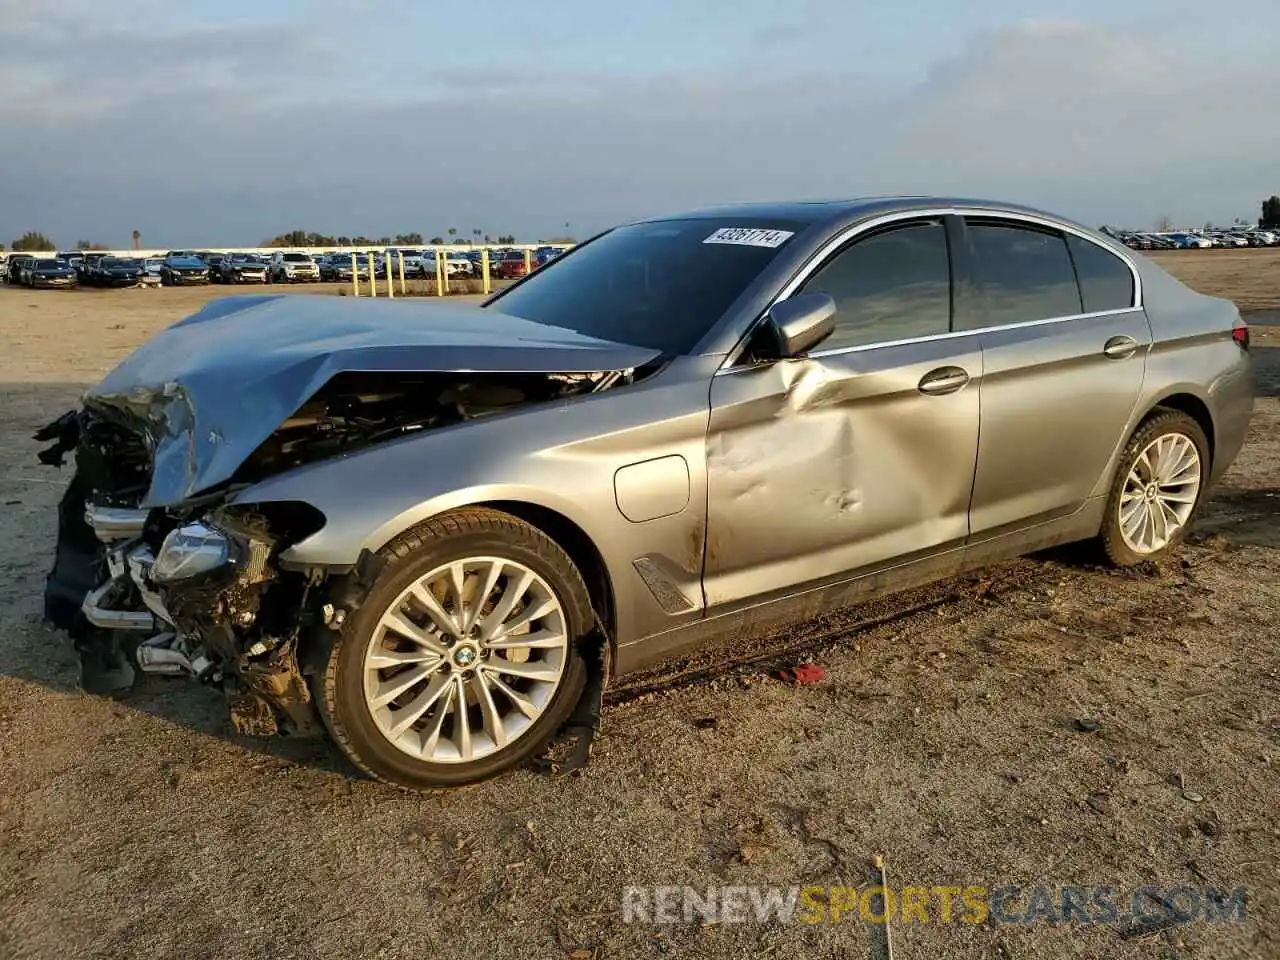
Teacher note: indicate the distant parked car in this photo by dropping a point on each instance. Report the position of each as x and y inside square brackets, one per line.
[118, 272]
[19, 263]
[413, 260]
[292, 268]
[242, 268]
[512, 266]
[151, 269]
[181, 269]
[50, 272]
[337, 267]
[87, 267]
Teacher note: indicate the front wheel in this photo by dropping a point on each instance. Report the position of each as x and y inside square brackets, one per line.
[463, 660]
[1158, 488]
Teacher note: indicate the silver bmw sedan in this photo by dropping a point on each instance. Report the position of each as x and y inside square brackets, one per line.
[434, 533]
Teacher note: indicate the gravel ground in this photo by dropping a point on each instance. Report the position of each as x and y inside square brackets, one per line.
[1048, 722]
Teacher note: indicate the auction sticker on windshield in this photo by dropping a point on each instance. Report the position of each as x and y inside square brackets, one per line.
[750, 236]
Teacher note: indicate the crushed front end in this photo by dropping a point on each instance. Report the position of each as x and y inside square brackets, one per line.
[187, 590]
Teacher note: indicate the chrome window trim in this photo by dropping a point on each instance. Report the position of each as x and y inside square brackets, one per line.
[951, 335]
[824, 253]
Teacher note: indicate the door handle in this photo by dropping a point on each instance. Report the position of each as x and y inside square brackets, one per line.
[943, 380]
[1119, 348]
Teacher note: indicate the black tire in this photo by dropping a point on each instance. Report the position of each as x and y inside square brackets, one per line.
[1160, 422]
[338, 684]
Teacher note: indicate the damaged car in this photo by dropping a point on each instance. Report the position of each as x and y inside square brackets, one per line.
[435, 533]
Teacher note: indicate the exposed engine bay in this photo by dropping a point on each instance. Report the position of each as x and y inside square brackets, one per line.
[355, 410]
[193, 587]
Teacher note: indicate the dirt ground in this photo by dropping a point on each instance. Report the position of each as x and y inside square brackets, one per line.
[1048, 722]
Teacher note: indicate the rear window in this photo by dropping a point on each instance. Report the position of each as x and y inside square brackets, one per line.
[661, 284]
[1025, 273]
[1106, 282]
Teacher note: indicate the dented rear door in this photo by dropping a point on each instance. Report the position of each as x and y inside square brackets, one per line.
[830, 464]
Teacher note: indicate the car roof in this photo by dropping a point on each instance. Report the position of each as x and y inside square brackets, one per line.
[841, 210]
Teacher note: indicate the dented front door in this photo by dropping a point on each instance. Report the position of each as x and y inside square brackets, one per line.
[829, 464]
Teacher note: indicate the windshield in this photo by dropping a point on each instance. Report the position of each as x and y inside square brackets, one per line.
[659, 285]
[48, 264]
[297, 258]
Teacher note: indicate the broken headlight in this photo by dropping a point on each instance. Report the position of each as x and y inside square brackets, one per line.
[191, 551]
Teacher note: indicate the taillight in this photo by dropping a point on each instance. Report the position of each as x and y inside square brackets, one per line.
[1240, 334]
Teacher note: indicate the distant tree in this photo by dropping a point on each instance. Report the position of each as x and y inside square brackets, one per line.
[1270, 213]
[86, 245]
[137, 239]
[488, 239]
[1164, 224]
[344, 241]
[436, 241]
[506, 238]
[301, 238]
[476, 232]
[408, 240]
[33, 240]
[453, 232]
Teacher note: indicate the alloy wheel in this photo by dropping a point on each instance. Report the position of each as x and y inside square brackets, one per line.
[1159, 492]
[466, 659]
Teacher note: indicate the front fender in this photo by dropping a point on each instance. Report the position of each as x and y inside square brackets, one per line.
[562, 457]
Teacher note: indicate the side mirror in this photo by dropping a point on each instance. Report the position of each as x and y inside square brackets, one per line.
[801, 322]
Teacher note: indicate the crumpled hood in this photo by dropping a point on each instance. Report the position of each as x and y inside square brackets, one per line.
[210, 389]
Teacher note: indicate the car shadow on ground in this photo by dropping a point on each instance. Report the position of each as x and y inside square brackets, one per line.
[1266, 364]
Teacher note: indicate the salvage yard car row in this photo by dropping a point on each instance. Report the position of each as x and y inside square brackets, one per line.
[183, 267]
[1201, 239]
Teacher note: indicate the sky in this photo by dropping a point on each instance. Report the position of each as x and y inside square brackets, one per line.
[226, 122]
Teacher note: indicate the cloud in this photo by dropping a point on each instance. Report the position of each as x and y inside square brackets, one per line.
[232, 133]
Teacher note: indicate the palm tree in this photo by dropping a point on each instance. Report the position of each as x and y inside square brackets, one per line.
[453, 232]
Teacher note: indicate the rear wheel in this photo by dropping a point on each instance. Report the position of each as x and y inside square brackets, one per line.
[1158, 489]
[464, 658]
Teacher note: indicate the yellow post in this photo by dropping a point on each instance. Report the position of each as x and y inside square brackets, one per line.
[373, 280]
[528, 261]
[446, 275]
[484, 270]
[404, 290]
[355, 277]
[391, 282]
[439, 273]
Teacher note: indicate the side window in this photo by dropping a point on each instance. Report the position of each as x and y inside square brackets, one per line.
[893, 285]
[1025, 273]
[1106, 282]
